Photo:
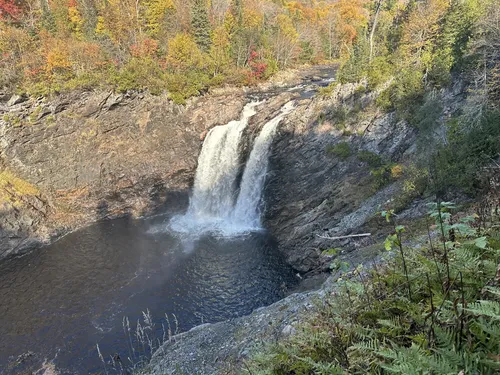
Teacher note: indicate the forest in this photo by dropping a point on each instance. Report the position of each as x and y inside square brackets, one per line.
[183, 47]
[52, 46]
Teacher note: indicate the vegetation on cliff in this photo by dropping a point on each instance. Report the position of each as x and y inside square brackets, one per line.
[427, 309]
[13, 188]
[413, 54]
[432, 306]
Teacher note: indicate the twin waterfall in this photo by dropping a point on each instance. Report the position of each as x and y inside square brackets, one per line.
[218, 204]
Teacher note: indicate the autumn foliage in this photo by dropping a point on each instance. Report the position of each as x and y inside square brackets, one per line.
[9, 10]
[57, 45]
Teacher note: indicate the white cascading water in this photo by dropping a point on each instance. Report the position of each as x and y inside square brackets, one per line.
[212, 206]
[218, 165]
[248, 206]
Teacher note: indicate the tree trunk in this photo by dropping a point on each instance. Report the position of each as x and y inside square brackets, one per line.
[374, 26]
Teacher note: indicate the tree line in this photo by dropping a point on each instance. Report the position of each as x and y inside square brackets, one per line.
[186, 47]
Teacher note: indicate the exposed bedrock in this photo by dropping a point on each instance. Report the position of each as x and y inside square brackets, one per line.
[91, 156]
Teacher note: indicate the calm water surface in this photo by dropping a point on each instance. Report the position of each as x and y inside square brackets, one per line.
[59, 302]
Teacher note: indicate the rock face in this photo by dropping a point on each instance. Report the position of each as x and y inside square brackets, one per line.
[219, 348]
[322, 188]
[94, 156]
[319, 186]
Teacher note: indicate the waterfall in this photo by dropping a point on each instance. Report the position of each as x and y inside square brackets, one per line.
[218, 164]
[248, 205]
[212, 206]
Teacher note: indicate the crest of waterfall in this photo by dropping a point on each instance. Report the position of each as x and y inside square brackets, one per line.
[212, 206]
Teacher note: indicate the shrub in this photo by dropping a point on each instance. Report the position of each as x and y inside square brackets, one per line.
[379, 72]
[427, 116]
[429, 309]
[406, 92]
[339, 116]
[140, 73]
[182, 86]
[372, 159]
[397, 171]
[381, 176]
[327, 91]
[341, 150]
[458, 164]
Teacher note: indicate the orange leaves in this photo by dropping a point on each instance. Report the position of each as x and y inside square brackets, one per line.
[68, 57]
[144, 48]
[352, 11]
[351, 16]
[56, 53]
[423, 24]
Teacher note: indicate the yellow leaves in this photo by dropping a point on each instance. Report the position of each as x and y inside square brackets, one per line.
[76, 21]
[101, 26]
[183, 53]
[286, 26]
[220, 37]
[252, 18]
[155, 13]
[220, 50]
[296, 9]
[351, 11]
[229, 23]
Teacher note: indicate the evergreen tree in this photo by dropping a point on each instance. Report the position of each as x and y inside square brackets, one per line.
[201, 25]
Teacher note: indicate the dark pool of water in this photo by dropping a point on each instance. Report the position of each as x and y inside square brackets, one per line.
[57, 303]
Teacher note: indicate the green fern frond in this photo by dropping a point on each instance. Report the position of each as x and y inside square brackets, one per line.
[485, 308]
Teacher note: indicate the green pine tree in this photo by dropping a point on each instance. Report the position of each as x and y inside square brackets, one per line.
[201, 25]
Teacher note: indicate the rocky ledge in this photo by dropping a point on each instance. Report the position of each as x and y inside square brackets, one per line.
[87, 156]
[336, 161]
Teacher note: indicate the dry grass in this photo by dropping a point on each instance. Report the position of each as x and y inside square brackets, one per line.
[13, 188]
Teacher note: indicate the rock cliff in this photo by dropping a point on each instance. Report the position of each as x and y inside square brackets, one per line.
[91, 156]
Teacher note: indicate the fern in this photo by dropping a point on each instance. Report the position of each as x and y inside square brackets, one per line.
[447, 325]
[485, 308]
